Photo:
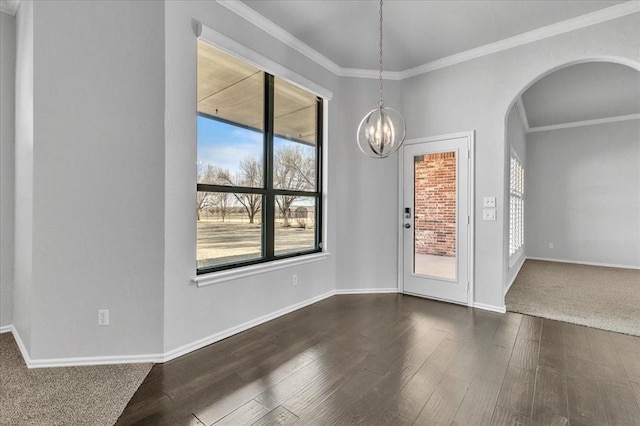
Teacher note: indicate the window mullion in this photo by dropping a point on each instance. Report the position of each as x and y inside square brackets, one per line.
[269, 200]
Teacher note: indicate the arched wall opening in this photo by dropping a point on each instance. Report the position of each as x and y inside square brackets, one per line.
[514, 143]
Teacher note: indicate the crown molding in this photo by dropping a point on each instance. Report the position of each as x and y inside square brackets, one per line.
[584, 123]
[9, 6]
[287, 38]
[593, 18]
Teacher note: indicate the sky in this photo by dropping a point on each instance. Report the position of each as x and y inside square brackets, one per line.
[224, 145]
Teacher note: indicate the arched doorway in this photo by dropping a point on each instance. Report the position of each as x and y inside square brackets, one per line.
[572, 151]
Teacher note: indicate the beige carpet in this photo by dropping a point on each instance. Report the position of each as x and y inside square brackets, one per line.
[94, 395]
[595, 296]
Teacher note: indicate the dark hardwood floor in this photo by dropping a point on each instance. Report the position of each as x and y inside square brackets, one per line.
[399, 360]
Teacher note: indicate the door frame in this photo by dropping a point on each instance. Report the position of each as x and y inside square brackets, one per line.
[470, 135]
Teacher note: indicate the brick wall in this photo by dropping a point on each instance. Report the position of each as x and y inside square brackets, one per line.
[435, 204]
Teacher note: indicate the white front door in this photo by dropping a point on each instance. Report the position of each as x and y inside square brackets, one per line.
[436, 218]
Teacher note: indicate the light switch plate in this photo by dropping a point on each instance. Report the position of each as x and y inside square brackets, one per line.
[489, 202]
[488, 214]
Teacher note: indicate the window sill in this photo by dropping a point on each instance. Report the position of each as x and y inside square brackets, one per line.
[247, 271]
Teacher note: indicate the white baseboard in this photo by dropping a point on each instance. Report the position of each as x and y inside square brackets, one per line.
[491, 308]
[79, 361]
[366, 290]
[185, 349]
[578, 262]
[6, 328]
[182, 350]
[21, 346]
[524, 259]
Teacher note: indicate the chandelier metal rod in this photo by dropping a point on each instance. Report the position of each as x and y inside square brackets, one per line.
[380, 101]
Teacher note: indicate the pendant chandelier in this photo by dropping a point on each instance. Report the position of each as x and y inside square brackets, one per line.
[382, 131]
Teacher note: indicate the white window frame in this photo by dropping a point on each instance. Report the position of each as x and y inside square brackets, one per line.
[242, 52]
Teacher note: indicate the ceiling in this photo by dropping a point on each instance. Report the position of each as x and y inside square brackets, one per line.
[582, 92]
[233, 91]
[415, 32]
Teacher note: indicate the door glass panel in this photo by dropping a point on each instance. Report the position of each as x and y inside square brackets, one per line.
[435, 195]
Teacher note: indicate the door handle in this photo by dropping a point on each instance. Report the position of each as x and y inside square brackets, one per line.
[407, 225]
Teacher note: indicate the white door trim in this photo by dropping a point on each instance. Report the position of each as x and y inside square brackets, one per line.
[470, 135]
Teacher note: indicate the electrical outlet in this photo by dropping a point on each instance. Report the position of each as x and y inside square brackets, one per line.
[294, 280]
[550, 245]
[103, 317]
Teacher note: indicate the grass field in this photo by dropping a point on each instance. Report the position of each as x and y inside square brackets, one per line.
[231, 241]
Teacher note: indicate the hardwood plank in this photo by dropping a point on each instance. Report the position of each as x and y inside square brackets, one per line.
[275, 367]
[278, 416]
[551, 345]
[312, 380]
[585, 402]
[443, 404]
[479, 401]
[338, 402]
[579, 367]
[608, 365]
[504, 417]
[525, 353]
[635, 386]
[245, 414]
[631, 363]
[626, 342]
[409, 401]
[372, 405]
[516, 393]
[530, 328]
[550, 396]
[620, 405]
[508, 330]
[576, 342]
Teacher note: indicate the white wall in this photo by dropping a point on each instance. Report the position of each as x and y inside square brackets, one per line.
[477, 94]
[7, 160]
[23, 219]
[98, 174]
[193, 313]
[583, 194]
[515, 140]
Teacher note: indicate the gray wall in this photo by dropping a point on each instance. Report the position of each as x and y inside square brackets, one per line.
[106, 182]
[196, 313]
[583, 194]
[23, 219]
[7, 160]
[97, 176]
[515, 140]
[477, 95]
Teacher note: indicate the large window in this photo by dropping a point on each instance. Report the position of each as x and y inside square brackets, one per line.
[259, 164]
[516, 207]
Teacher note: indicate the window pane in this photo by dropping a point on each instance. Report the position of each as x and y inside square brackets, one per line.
[229, 228]
[229, 155]
[295, 227]
[230, 120]
[295, 128]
